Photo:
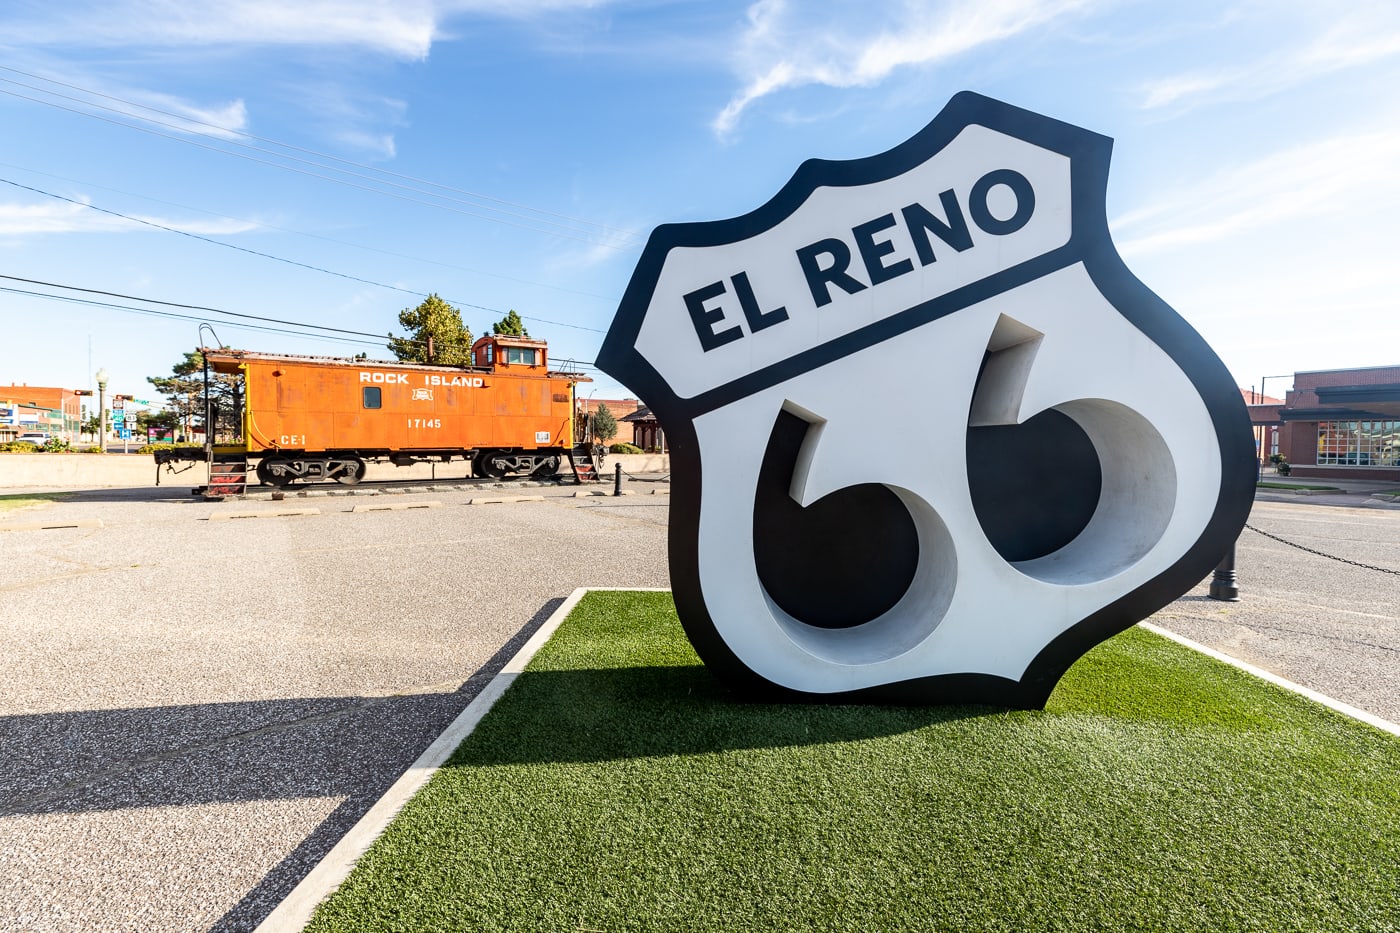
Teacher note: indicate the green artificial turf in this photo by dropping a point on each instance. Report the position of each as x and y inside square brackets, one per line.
[617, 787]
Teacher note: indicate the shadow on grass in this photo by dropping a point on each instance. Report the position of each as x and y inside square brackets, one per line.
[641, 712]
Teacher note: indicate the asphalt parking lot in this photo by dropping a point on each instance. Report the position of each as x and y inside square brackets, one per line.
[196, 710]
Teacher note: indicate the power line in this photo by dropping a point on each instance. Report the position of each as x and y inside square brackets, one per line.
[533, 224]
[610, 230]
[376, 339]
[290, 262]
[313, 236]
[289, 168]
[69, 299]
[190, 307]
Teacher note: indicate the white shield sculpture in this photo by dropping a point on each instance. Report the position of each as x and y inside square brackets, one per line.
[931, 440]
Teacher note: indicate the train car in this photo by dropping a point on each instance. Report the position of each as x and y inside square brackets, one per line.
[309, 418]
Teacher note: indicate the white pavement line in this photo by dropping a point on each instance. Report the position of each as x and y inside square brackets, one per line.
[48, 526]
[296, 909]
[497, 500]
[1346, 709]
[274, 513]
[661, 492]
[397, 506]
[585, 493]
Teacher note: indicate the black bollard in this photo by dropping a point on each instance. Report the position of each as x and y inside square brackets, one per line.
[617, 479]
[1223, 585]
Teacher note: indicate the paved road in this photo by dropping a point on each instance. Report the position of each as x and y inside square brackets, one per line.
[1325, 624]
[195, 711]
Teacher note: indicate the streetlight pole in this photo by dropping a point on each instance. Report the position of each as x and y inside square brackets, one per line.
[102, 409]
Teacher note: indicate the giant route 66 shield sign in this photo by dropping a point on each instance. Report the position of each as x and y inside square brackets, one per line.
[931, 440]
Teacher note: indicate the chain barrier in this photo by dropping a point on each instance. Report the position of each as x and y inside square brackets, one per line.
[663, 478]
[1301, 547]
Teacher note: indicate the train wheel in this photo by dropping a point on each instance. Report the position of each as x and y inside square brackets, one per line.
[353, 474]
[546, 467]
[267, 477]
[483, 465]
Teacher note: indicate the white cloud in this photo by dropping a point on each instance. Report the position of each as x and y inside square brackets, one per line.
[34, 219]
[1349, 175]
[404, 29]
[1354, 36]
[224, 121]
[859, 46]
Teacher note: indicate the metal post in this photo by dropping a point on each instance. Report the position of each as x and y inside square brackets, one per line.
[617, 479]
[1223, 585]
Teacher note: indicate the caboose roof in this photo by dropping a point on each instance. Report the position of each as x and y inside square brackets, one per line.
[510, 340]
[226, 360]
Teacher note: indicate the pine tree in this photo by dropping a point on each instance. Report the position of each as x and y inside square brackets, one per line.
[604, 424]
[510, 326]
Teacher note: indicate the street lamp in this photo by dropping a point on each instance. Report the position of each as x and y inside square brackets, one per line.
[102, 408]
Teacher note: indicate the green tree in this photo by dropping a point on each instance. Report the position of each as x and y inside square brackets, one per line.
[438, 321]
[604, 424]
[163, 420]
[510, 326]
[184, 390]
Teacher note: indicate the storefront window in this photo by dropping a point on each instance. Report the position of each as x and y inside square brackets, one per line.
[1359, 443]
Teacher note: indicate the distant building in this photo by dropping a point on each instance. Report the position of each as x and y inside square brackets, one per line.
[619, 408]
[39, 408]
[1338, 423]
[646, 432]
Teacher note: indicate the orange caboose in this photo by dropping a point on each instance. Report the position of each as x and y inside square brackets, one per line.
[324, 418]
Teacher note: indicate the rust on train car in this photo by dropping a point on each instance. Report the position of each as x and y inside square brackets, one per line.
[322, 417]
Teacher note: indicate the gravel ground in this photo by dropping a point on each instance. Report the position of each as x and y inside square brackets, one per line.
[195, 711]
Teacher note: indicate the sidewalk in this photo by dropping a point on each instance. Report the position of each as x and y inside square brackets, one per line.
[1358, 493]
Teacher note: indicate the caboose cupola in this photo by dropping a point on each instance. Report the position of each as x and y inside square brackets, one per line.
[502, 351]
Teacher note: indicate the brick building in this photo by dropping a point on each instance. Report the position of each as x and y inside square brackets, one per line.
[1338, 423]
[619, 408]
[39, 408]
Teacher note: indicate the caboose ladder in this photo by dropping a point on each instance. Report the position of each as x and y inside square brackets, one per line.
[581, 459]
[228, 476]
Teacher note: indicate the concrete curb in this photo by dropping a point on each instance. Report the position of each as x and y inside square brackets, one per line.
[397, 506]
[502, 500]
[49, 526]
[271, 513]
[296, 909]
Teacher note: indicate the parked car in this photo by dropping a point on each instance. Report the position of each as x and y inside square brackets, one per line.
[37, 438]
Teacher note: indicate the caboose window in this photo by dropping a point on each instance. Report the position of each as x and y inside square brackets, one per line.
[373, 396]
[523, 355]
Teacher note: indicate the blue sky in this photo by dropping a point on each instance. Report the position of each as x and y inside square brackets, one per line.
[329, 163]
